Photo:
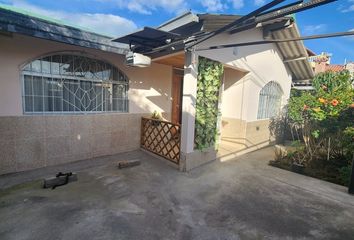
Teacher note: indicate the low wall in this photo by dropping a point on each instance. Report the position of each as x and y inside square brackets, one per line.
[29, 142]
[196, 159]
[245, 134]
[237, 137]
[257, 133]
[233, 130]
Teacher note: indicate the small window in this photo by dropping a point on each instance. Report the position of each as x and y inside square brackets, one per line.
[269, 100]
[65, 83]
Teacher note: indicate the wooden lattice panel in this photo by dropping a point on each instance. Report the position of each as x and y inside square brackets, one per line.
[162, 138]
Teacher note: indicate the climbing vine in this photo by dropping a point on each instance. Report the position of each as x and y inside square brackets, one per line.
[209, 82]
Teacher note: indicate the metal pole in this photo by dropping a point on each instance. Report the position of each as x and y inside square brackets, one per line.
[283, 11]
[237, 21]
[351, 183]
[319, 36]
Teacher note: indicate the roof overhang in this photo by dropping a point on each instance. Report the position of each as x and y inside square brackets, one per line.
[15, 22]
[176, 60]
[295, 55]
[179, 21]
[147, 38]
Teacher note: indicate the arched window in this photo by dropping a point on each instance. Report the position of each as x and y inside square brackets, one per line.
[66, 83]
[269, 100]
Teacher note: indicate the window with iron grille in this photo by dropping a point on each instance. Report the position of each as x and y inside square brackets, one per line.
[67, 83]
[269, 100]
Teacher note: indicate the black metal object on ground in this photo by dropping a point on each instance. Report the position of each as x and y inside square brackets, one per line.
[60, 179]
[351, 183]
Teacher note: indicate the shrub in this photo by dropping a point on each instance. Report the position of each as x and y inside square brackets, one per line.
[323, 119]
[325, 116]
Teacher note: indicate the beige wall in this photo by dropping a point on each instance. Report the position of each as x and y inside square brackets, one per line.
[248, 70]
[233, 130]
[257, 133]
[236, 129]
[260, 64]
[233, 104]
[150, 88]
[28, 142]
[245, 133]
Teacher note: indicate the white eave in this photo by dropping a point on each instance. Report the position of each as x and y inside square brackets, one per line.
[294, 55]
[183, 19]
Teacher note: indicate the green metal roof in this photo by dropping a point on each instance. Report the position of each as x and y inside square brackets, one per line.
[46, 18]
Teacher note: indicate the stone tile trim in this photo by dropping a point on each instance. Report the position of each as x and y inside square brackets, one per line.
[29, 142]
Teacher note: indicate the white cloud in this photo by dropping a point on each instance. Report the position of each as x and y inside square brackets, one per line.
[346, 9]
[213, 5]
[351, 37]
[106, 24]
[237, 4]
[349, 9]
[314, 29]
[219, 5]
[259, 3]
[148, 6]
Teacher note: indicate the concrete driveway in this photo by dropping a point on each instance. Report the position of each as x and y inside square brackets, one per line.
[240, 199]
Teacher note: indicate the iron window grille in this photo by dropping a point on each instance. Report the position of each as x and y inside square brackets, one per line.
[270, 99]
[67, 83]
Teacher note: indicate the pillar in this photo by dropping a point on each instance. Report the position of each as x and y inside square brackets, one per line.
[189, 105]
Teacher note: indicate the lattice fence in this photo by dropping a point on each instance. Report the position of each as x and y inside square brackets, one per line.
[162, 138]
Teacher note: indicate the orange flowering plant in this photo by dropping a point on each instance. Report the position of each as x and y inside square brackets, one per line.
[322, 100]
[325, 113]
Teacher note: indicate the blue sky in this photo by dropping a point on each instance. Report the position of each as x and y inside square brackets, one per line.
[119, 17]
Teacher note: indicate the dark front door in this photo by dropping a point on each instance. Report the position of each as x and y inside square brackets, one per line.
[177, 83]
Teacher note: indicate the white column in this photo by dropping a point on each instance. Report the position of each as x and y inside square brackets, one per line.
[189, 102]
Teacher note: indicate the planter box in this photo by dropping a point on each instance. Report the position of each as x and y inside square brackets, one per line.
[298, 168]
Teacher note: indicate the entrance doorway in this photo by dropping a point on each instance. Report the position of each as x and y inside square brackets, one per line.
[177, 89]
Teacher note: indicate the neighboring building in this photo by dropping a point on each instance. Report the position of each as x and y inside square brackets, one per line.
[322, 63]
[350, 67]
[334, 68]
[66, 94]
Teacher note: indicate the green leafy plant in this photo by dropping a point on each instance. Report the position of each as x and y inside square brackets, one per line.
[325, 115]
[323, 120]
[156, 115]
[209, 82]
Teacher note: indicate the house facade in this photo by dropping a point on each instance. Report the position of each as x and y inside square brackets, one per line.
[66, 94]
[322, 63]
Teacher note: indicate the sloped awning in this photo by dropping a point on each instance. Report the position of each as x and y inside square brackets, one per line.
[295, 55]
[147, 38]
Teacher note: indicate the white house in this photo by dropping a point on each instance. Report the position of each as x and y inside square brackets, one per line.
[67, 94]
